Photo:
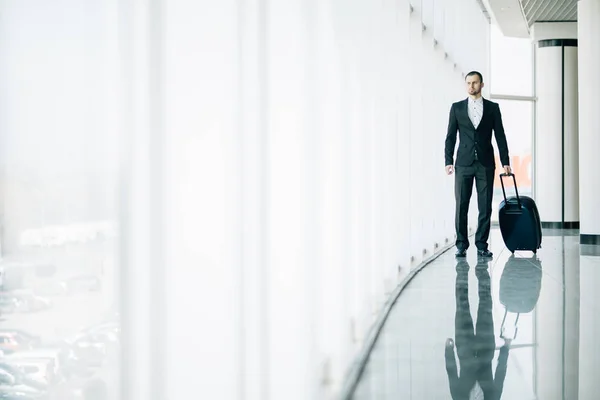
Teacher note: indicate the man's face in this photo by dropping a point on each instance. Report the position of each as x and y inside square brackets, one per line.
[474, 85]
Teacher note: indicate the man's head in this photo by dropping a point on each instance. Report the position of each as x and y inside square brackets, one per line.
[474, 82]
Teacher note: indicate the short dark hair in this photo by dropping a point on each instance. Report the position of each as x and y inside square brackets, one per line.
[475, 73]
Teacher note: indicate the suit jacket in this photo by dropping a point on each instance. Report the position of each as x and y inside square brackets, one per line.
[471, 138]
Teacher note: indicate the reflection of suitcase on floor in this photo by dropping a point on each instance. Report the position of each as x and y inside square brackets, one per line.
[519, 221]
[520, 286]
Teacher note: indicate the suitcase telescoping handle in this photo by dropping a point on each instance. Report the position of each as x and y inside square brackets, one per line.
[516, 190]
[506, 333]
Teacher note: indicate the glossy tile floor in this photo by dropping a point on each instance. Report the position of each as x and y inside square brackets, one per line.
[516, 327]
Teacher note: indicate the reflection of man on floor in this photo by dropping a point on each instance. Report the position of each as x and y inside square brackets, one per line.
[475, 349]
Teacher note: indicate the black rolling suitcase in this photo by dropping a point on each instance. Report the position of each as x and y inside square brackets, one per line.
[519, 221]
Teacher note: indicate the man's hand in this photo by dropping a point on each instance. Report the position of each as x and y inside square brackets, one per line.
[507, 169]
[449, 169]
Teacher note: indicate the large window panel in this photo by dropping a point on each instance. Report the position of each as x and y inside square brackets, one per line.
[402, 129]
[417, 232]
[59, 166]
[438, 20]
[430, 169]
[511, 64]
[416, 5]
[427, 14]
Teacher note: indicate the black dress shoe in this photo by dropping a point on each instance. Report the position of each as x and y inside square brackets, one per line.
[484, 253]
[461, 253]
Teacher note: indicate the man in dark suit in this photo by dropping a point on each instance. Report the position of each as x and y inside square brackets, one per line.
[474, 118]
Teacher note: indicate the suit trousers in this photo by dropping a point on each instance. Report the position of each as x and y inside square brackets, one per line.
[463, 188]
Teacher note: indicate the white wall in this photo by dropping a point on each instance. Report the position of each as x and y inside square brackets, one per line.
[284, 159]
[553, 30]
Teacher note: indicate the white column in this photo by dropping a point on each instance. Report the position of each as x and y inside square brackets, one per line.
[556, 144]
[589, 120]
[571, 137]
[589, 329]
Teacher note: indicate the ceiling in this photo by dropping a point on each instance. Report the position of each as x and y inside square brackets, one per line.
[515, 17]
[546, 11]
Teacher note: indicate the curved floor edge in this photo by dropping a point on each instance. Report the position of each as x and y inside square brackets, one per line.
[357, 368]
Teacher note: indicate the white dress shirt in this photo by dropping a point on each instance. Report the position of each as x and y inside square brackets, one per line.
[475, 111]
